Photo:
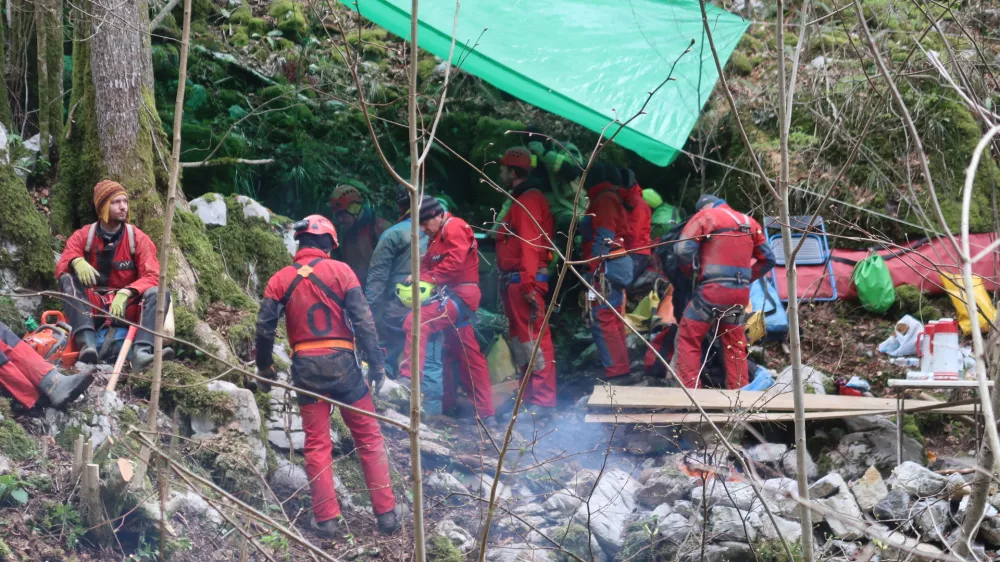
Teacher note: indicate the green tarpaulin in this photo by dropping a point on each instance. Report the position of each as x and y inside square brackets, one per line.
[590, 61]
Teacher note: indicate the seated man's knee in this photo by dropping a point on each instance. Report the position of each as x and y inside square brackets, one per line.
[66, 283]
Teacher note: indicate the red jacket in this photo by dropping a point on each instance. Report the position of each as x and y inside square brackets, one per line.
[138, 272]
[452, 260]
[640, 219]
[521, 245]
[606, 223]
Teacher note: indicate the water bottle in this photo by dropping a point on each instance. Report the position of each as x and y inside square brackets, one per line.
[905, 361]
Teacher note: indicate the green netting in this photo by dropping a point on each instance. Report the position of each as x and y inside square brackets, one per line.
[590, 61]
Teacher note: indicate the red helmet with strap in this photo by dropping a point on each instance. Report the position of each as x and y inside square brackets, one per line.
[317, 225]
[517, 157]
[344, 196]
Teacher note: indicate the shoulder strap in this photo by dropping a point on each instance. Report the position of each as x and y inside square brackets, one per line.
[90, 238]
[306, 272]
[741, 225]
[130, 232]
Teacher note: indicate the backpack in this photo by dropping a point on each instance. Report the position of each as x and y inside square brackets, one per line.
[873, 281]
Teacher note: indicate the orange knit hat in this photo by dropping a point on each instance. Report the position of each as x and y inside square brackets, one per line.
[104, 192]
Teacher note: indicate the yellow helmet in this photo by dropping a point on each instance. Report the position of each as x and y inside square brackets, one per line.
[405, 292]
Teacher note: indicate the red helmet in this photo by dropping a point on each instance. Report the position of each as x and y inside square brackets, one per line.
[318, 225]
[517, 157]
[344, 196]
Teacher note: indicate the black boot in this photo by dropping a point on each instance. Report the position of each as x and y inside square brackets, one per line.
[389, 523]
[335, 528]
[61, 389]
[143, 357]
[86, 342]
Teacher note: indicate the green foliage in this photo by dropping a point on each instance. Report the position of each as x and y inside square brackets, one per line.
[15, 444]
[10, 316]
[241, 15]
[642, 544]
[291, 19]
[443, 550]
[63, 520]
[741, 64]
[5, 552]
[774, 551]
[185, 387]
[13, 490]
[24, 228]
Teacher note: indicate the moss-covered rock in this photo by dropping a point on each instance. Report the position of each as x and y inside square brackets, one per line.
[15, 444]
[185, 388]
[741, 64]
[252, 251]
[241, 15]
[10, 316]
[443, 550]
[214, 285]
[240, 38]
[231, 460]
[291, 19]
[25, 231]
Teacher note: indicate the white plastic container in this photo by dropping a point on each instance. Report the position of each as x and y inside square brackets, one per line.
[946, 357]
[924, 347]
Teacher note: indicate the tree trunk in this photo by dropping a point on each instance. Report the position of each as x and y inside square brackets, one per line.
[49, 41]
[20, 19]
[116, 131]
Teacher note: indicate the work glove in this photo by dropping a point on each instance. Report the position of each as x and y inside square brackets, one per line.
[85, 272]
[258, 384]
[120, 303]
[376, 374]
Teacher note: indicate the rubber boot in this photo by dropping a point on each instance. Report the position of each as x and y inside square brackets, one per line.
[143, 357]
[389, 523]
[86, 342]
[62, 389]
[335, 528]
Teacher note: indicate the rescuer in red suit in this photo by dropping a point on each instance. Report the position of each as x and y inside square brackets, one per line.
[523, 239]
[114, 265]
[640, 217]
[451, 265]
[604, 228]
[725, 251]
[328, 322]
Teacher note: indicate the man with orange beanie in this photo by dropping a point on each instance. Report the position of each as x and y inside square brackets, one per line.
[113, 265]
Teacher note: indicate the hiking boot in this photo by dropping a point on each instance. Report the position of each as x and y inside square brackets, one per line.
[623, 380]
[335, 528]
[490, 421]
[390, 522]
[86, 342]
[144, 357]
[61, 389]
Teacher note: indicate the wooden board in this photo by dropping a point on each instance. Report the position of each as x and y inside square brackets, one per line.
[713, 399]
[755, 417]
[908, 383]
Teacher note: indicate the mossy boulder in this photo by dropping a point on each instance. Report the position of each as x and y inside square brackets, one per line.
[232, 461]
[251, 250]
[184, 387]
[740, 64]
[214, 284]
[241, 15]
[443, 550]
[15, 443]
[291, 19]
[240, 38]
[10, 316]
[25, 239]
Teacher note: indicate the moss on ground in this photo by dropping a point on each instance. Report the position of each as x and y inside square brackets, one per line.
[291, 19]
[241, 15]
[910, 300]
[443, 550]
[15, 444]
[185, 387]
[229, 458]
[741, 64]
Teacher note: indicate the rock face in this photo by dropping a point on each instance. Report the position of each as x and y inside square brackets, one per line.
[609, 507]
[289, 478]
[933, 518]
[729, 524]
[895, 506]
[210, 208]
[875, 445]
[790, 465]
[253, 209]
[870, 489]
[666, 485]
[768, 453]
[918, 480]
[443, 484]
[247, 420]
[845, 517]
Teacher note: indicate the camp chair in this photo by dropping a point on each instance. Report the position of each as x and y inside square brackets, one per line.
[815, 251]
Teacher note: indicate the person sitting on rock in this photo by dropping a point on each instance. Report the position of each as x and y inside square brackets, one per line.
[113, 265]
[29, 378]
[327, 314]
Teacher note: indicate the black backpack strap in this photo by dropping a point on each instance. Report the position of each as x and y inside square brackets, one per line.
[306, 272]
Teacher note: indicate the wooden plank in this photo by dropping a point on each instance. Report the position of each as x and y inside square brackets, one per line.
[755, 417]
[909, 383]
[713, 399]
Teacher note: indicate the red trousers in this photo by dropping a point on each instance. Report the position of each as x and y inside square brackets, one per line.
[23, 369]
[319, 457]
[459, 345]
[608, 331]
[690, 337]
[525, 327]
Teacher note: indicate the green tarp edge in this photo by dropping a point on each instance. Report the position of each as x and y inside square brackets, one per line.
[397, 21]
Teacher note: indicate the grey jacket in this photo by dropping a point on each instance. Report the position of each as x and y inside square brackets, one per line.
[390, 263]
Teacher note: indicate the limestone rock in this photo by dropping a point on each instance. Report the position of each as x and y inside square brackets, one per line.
[684, 508]
[394, 393]
[458, 536]
[295, 440]
[827, 486]
[728, 494]
[675, 528]
[845, 517]
[729, 524]
[722, 552]
[869, 489]
[211, 209]
[444, 483]
[895, 506]
[5, 464]
[918, 480]
[290, 477]
[186, 501]
[989, 531]
[768, 453]
[791, 530]
[933, 518]
[247, 419]
[252, 209]
[563, 503]
[519, 553]
[857, 451]
[609, 507]
[790, 465]
[667, 485]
